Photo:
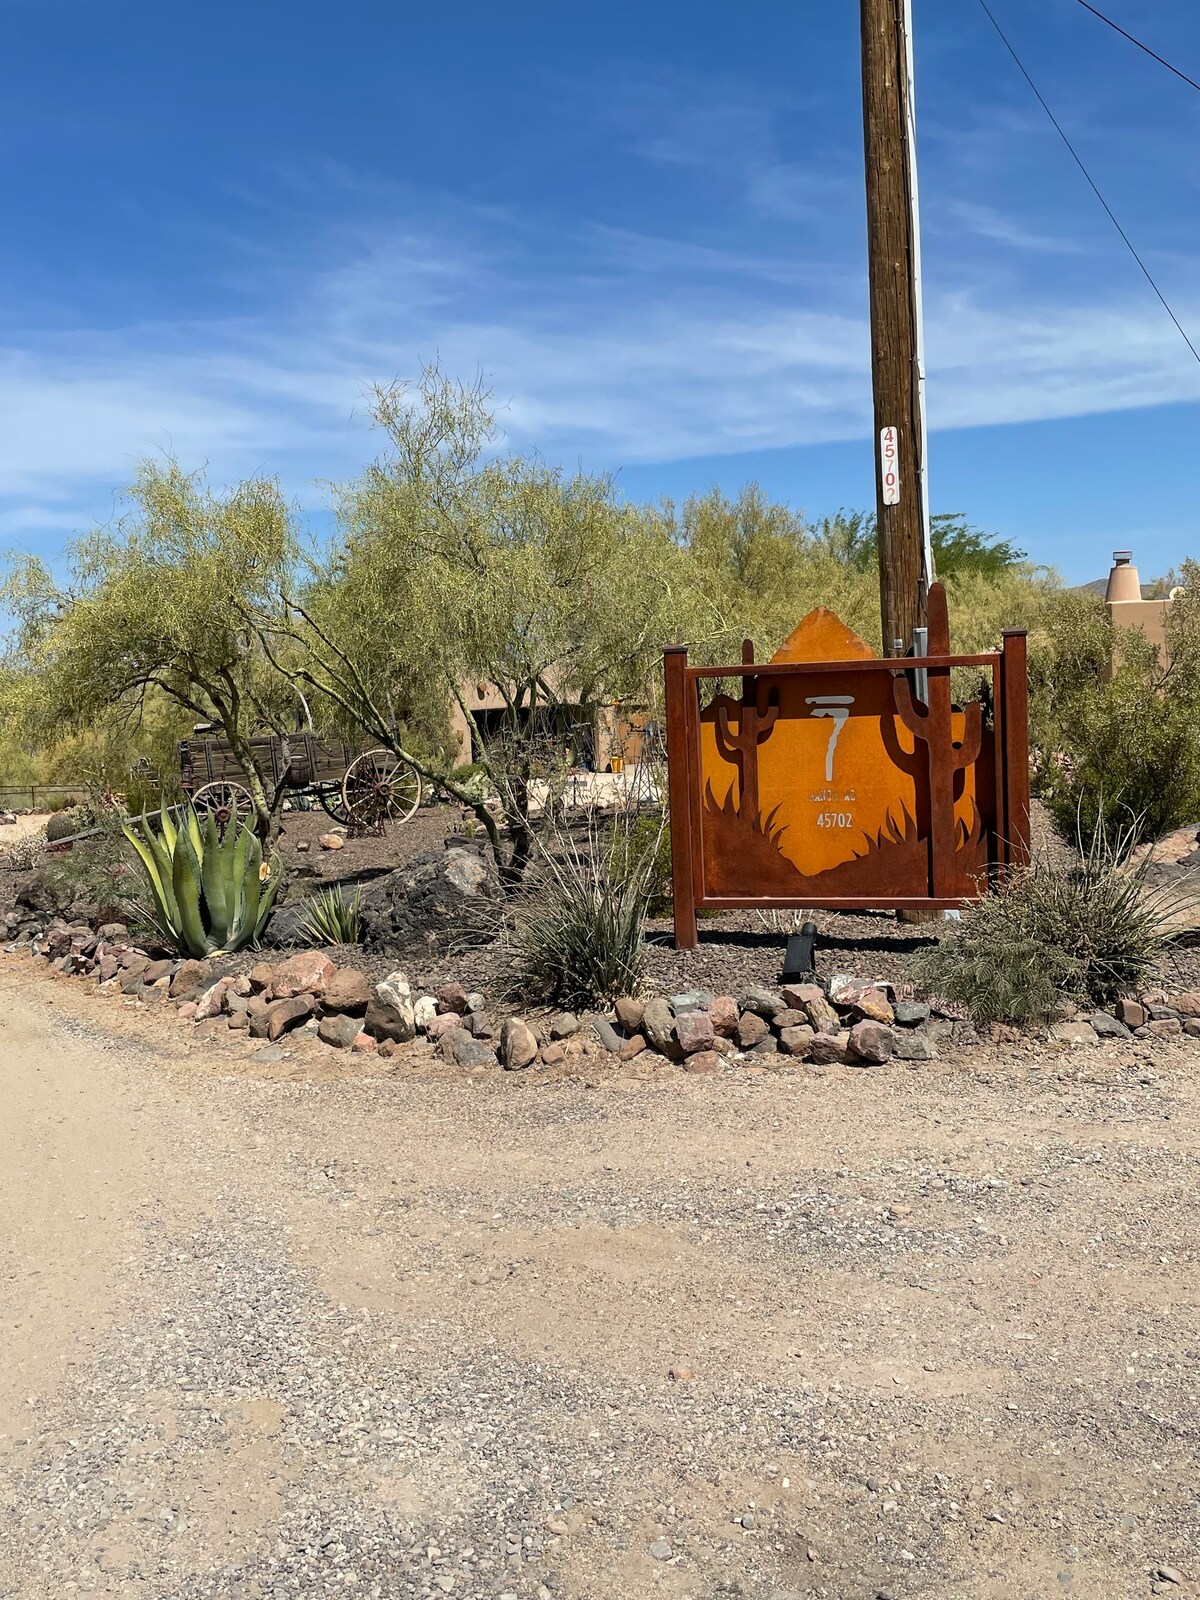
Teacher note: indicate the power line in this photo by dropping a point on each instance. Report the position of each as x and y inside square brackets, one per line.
[1075, 156]
[1162, 60]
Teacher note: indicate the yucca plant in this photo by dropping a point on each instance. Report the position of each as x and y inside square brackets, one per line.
[577, 937]
[331, 917]
[210, 895]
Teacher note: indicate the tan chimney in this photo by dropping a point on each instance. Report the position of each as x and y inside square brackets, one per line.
[1123, 580]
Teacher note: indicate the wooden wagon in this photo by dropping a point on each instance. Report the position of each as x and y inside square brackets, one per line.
[360, 788]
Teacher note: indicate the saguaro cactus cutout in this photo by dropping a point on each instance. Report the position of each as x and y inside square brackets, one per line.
[933, 726]
[756, 717]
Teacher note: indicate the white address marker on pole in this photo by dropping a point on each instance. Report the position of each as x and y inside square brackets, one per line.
[889, 458]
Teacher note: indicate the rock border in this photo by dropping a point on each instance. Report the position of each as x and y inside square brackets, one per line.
[839, 1021]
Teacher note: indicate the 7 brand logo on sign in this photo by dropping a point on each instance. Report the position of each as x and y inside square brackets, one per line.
[836, 706]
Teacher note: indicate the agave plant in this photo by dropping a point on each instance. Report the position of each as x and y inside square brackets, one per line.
[211, 894]
[332, 917]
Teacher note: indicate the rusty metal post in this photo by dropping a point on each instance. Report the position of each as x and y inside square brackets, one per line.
[1014, 694]
[683, 888]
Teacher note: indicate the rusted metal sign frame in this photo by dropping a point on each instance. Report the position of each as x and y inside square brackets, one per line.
[1010, 701]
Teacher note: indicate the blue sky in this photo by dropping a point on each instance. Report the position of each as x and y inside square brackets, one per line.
[643, 223]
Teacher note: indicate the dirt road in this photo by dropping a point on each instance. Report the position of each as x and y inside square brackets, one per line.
[934, 1330]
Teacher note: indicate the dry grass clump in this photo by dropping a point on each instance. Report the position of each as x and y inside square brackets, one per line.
[1090, 929]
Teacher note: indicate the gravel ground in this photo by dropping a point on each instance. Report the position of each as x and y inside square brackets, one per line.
[932, 1331]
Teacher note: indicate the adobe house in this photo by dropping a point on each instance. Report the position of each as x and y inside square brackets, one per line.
[601, 738]
[1127, 609]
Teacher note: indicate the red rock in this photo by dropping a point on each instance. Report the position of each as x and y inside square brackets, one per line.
[694, 1031]
[632, 1047]
[452, 997]
[1164, 1028]
[107, 967]
[307, 973]
[750, 1030]
[347, 990]
[1191, 1027]
[1187, 1005]
[338, 1031]
[261, 976]
[190, 980]
[723, 1014]
[212, 1002]
[629, 1013]
[553, 1054]
[795, 1041]
[364, 1044]
[280, 1017]
[830, 1048]
[518, 1045]
[442, 1024]
[872, 1042]
[799, 995]
[187, 1011]
[867, 1003]
[703, 1061]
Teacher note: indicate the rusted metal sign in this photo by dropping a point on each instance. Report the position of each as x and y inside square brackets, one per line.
[828, 783]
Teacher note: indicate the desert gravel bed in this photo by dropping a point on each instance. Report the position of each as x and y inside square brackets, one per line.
[843, 1334]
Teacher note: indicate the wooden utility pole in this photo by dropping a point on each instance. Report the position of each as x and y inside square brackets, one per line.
[897, 357]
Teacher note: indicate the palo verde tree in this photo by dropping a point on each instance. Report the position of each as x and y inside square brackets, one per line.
[457, 568]
[1115, 721]
[153, 610]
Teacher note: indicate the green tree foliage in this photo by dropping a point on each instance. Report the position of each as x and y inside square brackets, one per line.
[455, 567]
[761, 569]
[959, 549]
[764, 567]
[1116, 730]
[153, 615]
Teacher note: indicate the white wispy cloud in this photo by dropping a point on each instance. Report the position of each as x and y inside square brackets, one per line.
[609, 344]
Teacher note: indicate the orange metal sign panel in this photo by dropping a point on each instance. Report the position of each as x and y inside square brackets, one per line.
[818, 781]
[828, 781]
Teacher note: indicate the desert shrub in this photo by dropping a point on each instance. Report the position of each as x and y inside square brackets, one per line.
[95, 877]
[640, 849]
[24, 854]
[1114, 730]
[331, 917]
[1089, 930]
[577, 935]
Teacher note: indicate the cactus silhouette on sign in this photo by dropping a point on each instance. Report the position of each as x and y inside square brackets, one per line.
[757, 714]
[932, 724]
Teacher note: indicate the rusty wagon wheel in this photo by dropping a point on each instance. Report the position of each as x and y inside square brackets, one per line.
[226, 802]
[378, 788]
